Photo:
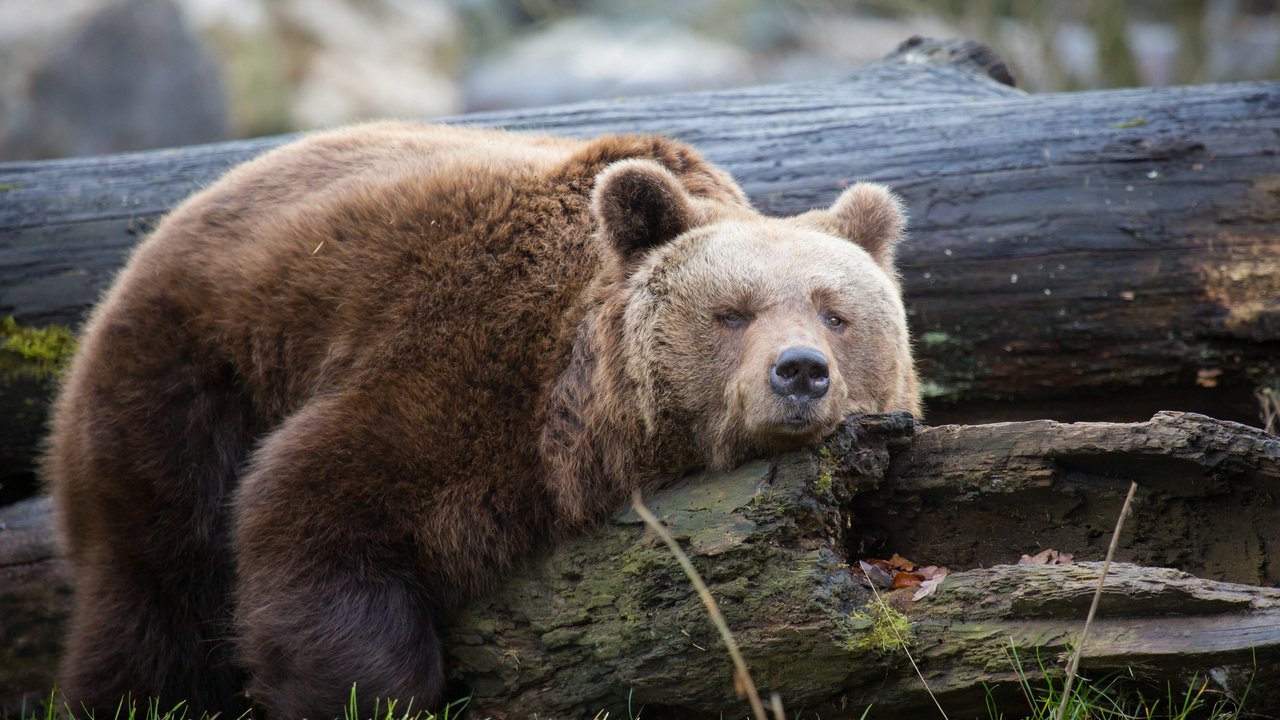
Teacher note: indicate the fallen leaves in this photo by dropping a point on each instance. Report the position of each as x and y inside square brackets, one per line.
[1208, 377]
[1047, 557]
[898, 573]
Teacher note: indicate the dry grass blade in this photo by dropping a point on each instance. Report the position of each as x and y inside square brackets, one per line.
[1269, 403]
[776, 701]
[744, 682]
[1074, 665]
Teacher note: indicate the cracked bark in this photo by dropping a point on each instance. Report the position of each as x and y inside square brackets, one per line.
[609, 619]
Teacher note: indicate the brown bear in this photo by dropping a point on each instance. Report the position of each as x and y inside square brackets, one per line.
[352, 383]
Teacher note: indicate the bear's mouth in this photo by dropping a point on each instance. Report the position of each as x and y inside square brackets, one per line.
[798, 421]
[792, 430]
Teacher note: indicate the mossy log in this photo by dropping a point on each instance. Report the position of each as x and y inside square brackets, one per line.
[609, 621]
[1097, 255]
[31, 360]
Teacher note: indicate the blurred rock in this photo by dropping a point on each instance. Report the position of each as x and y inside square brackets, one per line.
[302, 64]
[83, 77]
[583, 58]
[1227, 45]
[1242, 46]
[374, 59]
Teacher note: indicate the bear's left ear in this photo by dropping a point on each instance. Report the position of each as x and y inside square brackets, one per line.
[871, 216]
[639, 205]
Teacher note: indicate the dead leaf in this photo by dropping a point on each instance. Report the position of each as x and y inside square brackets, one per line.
[929, 587]
[1208, 377]
[1047, 557]
[897, 562]
[1040, 558]
[879, 577]
[903, 579]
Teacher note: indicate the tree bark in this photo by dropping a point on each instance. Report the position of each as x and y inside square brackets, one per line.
[35, 603]
[1097, 255]
[609, 619]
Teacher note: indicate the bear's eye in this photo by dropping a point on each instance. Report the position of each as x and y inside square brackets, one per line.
[834, 322]
[734, 320]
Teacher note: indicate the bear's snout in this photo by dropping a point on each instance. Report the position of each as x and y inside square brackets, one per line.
[800, 374]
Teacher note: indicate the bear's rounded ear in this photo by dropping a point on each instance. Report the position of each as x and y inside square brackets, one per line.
[639, 205]
[871, 216]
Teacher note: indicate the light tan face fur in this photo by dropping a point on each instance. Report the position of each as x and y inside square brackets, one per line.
[712, 310]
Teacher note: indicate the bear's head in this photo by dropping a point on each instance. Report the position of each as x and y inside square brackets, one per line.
[743, 333]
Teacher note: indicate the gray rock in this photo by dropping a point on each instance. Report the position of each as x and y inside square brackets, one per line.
[102, 78]
[304, 64]
[378, 58]
[584, 58]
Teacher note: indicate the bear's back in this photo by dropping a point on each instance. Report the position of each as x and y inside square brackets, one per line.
[376, 246]
[448, 263]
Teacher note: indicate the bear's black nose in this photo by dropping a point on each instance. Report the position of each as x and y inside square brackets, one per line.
[800, 374]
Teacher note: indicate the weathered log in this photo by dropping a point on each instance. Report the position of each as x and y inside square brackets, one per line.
[35, 602]
[1098, 254]
[609, 619]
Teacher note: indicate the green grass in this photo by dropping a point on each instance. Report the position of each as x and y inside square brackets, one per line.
[1115, 697]
[129, 710]
[387, 710]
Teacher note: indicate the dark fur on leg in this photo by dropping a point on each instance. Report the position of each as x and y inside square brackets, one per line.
[305, 649]
[142, 459]
[333, 587]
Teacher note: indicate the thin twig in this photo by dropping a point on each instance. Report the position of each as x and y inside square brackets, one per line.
[745, 684]
[903, 643]
[1074, 665]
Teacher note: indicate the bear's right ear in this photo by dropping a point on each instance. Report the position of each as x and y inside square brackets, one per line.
[871, 216]
[639, 205]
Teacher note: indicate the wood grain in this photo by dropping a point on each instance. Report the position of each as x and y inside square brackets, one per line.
[610, 618]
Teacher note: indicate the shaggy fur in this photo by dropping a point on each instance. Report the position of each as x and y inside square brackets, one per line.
[353, 382]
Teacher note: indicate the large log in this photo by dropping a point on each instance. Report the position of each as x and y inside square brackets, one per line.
[1102, 254]
[609, 619]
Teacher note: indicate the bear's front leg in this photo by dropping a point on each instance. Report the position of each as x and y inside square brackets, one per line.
[328, 592]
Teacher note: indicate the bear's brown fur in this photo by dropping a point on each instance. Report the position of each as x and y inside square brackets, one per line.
[353, 382]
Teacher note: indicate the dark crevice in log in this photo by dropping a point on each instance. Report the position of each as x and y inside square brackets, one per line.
[1234, 402]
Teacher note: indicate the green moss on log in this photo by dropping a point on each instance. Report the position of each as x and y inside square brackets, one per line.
[824, 484]
[38, 353]
[878, 628]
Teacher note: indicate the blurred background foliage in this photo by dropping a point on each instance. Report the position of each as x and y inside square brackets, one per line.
[95, 76]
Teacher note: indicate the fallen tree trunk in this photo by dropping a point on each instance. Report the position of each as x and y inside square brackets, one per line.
[1102, 254]
[609, 619]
